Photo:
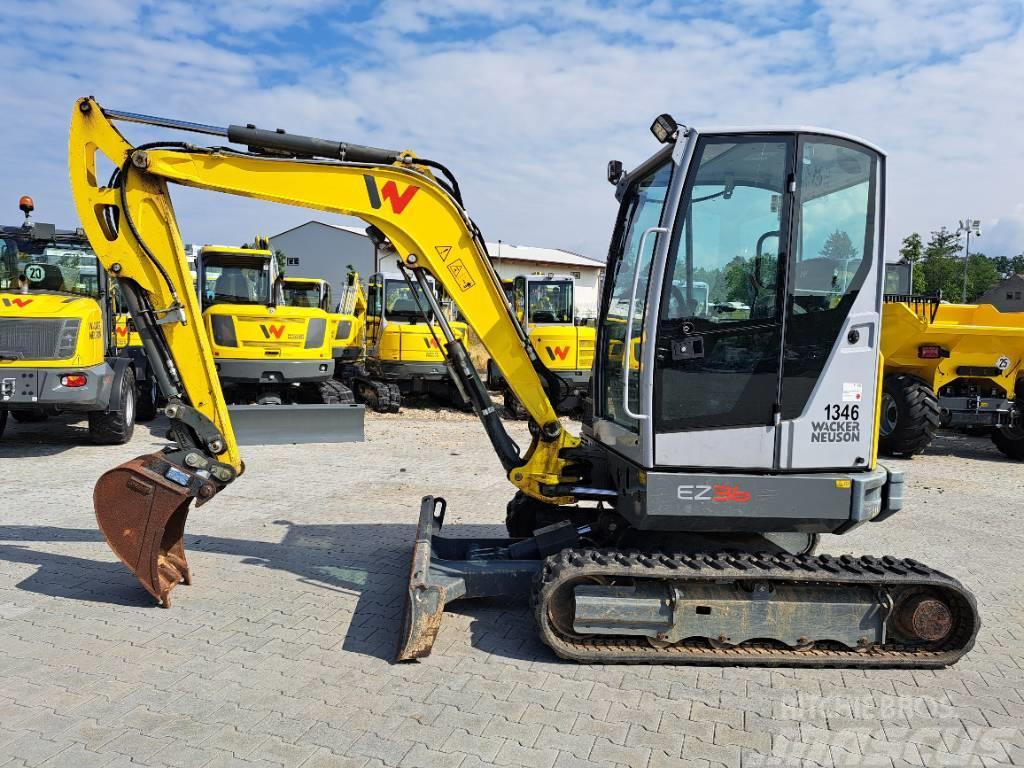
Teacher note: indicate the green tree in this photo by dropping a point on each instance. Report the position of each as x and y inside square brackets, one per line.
[940, 268]
[911, 252]
[1009, 266]
[839, 247]
[982, 274]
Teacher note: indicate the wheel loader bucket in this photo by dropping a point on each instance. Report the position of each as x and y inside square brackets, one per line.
[288, 424]
[141, 507]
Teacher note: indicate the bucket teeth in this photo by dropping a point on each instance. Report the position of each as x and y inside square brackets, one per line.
[141, 507]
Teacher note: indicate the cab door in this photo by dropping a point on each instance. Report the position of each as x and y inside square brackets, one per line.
[620, 368]
[720, 316]
[374, 313]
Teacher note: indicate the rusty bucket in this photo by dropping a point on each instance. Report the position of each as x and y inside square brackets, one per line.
[141, 507]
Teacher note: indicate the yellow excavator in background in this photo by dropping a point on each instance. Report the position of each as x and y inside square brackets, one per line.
[545, 305]
[405, 349]
[271, 352]
[680, 527]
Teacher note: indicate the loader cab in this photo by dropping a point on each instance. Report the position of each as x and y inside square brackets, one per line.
[744, 278]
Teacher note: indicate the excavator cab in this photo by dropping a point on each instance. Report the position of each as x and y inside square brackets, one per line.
[745, 269]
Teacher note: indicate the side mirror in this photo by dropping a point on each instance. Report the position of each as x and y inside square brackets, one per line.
[615, 172]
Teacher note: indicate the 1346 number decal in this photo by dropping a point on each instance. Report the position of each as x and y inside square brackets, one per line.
[846, 412]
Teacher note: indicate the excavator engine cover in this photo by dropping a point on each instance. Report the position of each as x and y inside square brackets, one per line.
[141, 507]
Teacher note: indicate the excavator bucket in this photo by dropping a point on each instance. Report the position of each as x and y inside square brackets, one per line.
[141, 507]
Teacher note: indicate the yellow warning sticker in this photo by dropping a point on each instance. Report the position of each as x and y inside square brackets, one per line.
[844, 483]
[461, 275]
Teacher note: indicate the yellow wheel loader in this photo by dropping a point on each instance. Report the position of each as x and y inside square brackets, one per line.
[545, 305]
[950, 365]
[272, 352]
[62, 347]
[679, 526]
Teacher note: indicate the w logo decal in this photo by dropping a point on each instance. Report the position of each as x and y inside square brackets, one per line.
[272, 330]
[560, 352]
[21, 303]
[388, 192]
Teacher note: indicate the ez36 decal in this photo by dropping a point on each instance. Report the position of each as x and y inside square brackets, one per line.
[720, 493]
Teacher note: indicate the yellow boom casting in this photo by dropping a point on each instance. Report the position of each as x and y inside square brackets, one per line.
[131, 222]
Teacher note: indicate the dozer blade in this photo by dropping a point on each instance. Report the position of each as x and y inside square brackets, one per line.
[447, 569]
[141, 507]
[424, 602]
[288, 424]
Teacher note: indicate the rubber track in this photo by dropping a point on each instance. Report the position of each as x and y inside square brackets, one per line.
[379, 395]
[846, 570]
[332, 392]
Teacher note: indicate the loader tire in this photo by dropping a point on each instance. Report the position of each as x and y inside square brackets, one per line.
[909, 418]
[29, 417]
[146, 403]
[1010, 441]
[116, 427]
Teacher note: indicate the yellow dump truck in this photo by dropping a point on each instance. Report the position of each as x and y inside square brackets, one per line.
[545, 307]
[60, 350]
[950, 365]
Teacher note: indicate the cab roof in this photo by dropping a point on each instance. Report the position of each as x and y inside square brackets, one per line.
[240, 251]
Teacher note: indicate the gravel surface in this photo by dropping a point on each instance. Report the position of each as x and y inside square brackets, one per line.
[279, 653]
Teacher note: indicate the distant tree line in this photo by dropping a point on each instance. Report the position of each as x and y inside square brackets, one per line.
[939, 266]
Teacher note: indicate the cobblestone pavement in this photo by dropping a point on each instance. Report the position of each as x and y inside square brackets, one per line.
[279, 654]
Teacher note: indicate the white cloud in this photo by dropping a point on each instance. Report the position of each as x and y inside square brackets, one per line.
[527, 101]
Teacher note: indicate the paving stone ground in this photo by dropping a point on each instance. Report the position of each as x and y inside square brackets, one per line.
[279, 654]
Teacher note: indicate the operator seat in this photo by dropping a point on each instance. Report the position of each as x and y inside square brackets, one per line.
[232, 284]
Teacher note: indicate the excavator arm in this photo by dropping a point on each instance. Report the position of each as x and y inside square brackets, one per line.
[141, 506]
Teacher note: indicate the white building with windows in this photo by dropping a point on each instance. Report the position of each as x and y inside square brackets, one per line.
[316, 249]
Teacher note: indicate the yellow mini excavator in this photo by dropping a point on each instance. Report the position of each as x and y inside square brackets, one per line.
[545, 305]
[273, 356]
[680, 526]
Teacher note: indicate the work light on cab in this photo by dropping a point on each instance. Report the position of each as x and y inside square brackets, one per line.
[665, 128]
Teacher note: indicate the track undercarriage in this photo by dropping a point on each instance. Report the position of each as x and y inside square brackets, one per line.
[735, 607]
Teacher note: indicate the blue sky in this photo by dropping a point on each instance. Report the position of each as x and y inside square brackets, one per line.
[527, 100]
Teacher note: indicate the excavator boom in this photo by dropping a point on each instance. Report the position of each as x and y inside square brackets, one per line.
[141, 505]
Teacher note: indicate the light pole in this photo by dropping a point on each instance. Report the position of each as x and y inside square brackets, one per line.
[967, 226]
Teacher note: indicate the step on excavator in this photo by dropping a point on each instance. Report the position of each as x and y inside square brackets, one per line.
[681, 525]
